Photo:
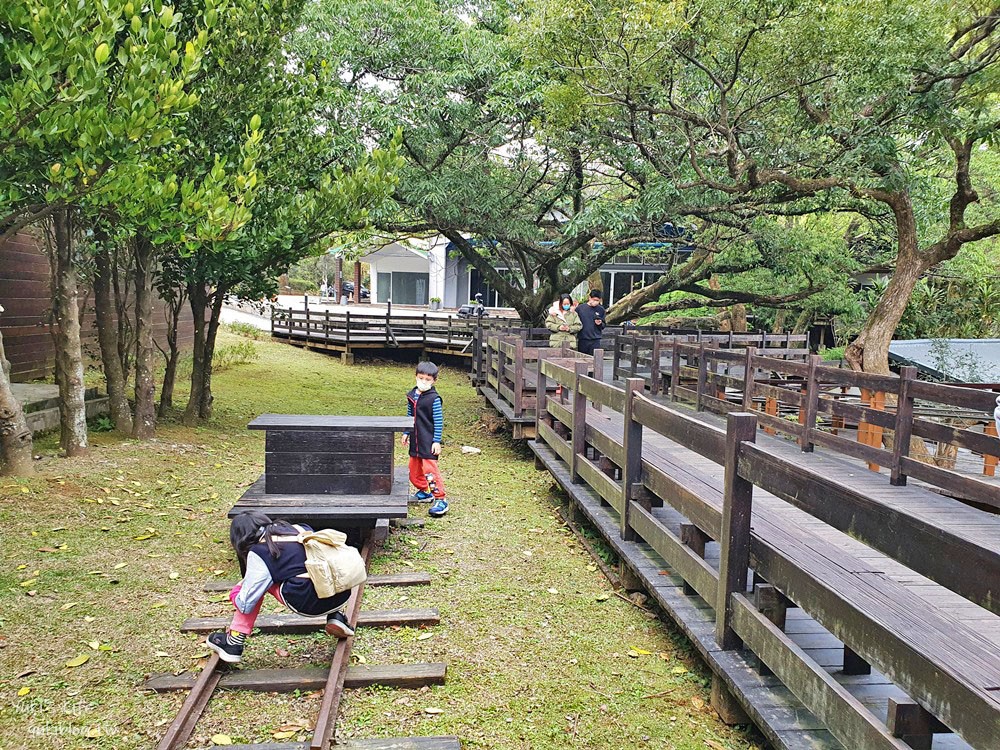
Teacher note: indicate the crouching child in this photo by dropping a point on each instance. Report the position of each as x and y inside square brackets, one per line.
[273, 561]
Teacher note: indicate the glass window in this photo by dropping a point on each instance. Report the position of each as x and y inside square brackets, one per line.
[409, 288]
[384, 287]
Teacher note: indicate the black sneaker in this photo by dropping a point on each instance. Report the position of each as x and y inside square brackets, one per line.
[230, 653]
[337, 625]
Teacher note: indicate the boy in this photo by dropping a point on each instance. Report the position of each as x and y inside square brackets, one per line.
[424, 404]
[592, 318]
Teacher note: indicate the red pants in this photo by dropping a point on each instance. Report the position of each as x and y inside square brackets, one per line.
[420, 468]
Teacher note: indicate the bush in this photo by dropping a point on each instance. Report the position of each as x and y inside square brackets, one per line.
[833, 354]
[303, 286]
[237, 354]
[247, 330]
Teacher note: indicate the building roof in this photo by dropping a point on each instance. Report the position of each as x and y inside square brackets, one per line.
[958, 360]
[392, 250]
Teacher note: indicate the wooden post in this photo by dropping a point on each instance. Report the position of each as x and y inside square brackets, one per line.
[541, 392]
[326, 325]
[634, 364]
[748, 379]
[616, 358]
[904, 425]
[598, 372]
[308, 324]
[501, 363]
[675, 367]
[579, 420]
[875, 431]
[702, 377]
[632, 466]
[357, 282]
[990, 461]
[774, 606]
[695, 539]
[913, 724]
[518, 377]
[388, 313]
[737, 502]
[655, 380]
[489, 362]
[770, 407]
[812, 403]
[855, 664]
[424, 341]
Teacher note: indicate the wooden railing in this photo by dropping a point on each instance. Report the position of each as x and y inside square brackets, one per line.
[800, 567]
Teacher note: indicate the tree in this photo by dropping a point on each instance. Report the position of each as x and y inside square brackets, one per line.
[15, 436]
[90, 89]
[796, 109]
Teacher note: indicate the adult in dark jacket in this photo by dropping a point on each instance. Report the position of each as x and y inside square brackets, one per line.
[591, 317]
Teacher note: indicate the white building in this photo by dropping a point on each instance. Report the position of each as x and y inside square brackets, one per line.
[414, 273]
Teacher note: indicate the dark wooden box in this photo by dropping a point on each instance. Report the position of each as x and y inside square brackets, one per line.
[322, 455]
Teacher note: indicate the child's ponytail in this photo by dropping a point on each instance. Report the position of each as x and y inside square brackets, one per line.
[246, 531]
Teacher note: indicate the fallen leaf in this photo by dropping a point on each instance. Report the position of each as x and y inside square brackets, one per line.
[553, 590]
[174, 575]
[642, 651]
[93, 733]
[119, 566]
[432, 710]
[78, 661]
[602, 597]
[28, 582]
[698, 703]
[161, 654]
[679, 670]
[221, 739]
[23, 692]
[425, 636]
[94, 645]
[283, 653]
[284, 735]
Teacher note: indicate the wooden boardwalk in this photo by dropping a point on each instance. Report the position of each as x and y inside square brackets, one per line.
[836, 556]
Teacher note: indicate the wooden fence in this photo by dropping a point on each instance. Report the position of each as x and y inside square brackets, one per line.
[937, 669]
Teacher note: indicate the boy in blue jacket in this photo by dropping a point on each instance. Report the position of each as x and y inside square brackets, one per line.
[424, 439]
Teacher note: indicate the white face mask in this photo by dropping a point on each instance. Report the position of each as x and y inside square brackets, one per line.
[424, 385]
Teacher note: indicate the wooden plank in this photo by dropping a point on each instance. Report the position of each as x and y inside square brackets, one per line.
[328, 422]
[310, 463]
[844, 715]
[294, 623]
[602, 484]
[694, 434]
[333, 485]
[851, 448]
[310, 678]
[683, 561]
[941, 553]
[333, 441]
[560, 446]
[934, 657]
[602, 393]
[987, 493]
[952, 395]
[419, 578]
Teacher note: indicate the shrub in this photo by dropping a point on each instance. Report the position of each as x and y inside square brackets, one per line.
[833, 354]
[303, 286]
[247, 330]
[236, 354]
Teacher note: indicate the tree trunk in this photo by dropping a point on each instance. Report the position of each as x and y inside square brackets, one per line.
[15, 437]
[779, 321]
[738, 316]
[869, 352]
[205, 410]
[198, 301]
[172, 355]
[107, 336]
[144, 426]
[69, 352]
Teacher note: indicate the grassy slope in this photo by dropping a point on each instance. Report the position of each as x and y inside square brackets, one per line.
[538, 651]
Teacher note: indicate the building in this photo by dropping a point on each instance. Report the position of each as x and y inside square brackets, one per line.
[412, 273]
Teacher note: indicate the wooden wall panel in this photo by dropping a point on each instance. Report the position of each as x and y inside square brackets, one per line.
[26, 296]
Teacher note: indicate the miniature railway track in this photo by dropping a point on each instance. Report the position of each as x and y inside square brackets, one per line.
[333, 681]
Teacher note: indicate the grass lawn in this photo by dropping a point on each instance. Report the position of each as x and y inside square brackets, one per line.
[102, 557]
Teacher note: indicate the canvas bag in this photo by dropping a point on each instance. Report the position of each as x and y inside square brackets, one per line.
[331, 563]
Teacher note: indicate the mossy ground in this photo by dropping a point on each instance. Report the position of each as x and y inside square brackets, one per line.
[105, 555]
